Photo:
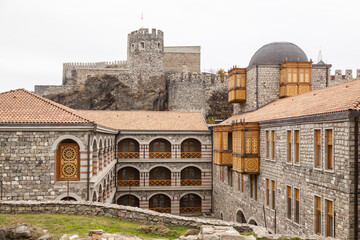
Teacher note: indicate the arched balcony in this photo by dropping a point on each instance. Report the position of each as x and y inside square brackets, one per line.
[160, 148]
[191, 148]
[190, 204]
[128, 200]
[128, 148]
[160, 176]
[128, 177]
[191, 176]
[160, 203]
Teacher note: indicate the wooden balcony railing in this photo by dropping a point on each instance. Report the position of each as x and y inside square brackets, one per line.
[190, 182]
[161, 209]
[165, 182]
[191, 155]
[190, 210]
[128, 155]
[128, 183]
[159, 154]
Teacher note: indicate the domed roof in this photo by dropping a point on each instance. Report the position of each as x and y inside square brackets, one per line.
[278, 52]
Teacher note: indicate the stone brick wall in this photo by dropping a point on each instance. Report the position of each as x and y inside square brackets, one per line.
[334, 185]
[182, 59]
[43, 90]
[28, 159]
[131, 214]
[191, 91]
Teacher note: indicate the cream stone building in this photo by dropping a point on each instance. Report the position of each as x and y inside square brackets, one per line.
[288, 160]
[156, 160]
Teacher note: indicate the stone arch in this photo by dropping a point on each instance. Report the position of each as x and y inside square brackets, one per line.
[127, 137]
[132, 193]
[195, 193]
[156, 193]
[159, 165]
[55, 144]
[100, 195]
[253, 221]
[128, 200]
[64, 195]
[191, 165]
[240, 216]
[192, 137]
[159, 137]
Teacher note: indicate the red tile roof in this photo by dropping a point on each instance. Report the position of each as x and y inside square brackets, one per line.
[338, 98]
[22, 106]
[147, 120]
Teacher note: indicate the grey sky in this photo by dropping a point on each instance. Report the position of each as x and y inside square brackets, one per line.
[36, 37]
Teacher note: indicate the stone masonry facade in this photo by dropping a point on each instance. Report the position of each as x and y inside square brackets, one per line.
[233, 199]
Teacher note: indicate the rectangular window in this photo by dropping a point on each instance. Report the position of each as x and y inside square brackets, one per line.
[230, 180]
[222, 173]
[267, 192]
[273, 194]
[273, 144]
[242, 182]
[289, 202]
[289, 147]
[267, 144]
[317, 215]
[229, 141]
[318, 148]
[297, 205]
[329, 219]
[297, 147]
[329, 149]
[253, 187]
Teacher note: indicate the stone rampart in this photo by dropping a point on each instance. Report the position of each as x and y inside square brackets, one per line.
[43, 90]
[128, 213]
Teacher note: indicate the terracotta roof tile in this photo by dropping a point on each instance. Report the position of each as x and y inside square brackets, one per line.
[338, 98]
[22, 106]
[147, 120]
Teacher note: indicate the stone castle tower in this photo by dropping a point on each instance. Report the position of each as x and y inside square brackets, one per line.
[145, 54]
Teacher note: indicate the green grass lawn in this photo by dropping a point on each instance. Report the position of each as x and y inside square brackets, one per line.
[58, 224]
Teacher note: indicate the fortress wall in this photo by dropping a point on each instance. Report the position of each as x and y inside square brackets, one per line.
[339, 77]
[43, 90]
[182, 59]
[191, 91]
[80, 75]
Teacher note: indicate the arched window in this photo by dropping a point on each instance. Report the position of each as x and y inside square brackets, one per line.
[160, 148]
[160, 176]
[128, 200]
[190, 204]
[253, 222]
[191, 148]
[94, 197]
[128, 148]
[95, 162]
[240, 217]
[190, 176]
[160, 203]
[128, 176]
[70, 199]
[68, 161]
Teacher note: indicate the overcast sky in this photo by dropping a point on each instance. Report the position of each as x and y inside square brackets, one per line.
[37, 37]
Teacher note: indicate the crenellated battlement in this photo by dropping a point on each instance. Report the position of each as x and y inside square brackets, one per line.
[145, 31]
[348, 74]
[95, 64]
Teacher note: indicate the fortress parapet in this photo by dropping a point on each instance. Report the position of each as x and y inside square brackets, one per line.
[111, 64]
[347, 76]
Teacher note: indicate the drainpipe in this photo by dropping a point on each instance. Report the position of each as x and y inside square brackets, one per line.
[257, 87]
[88, 169]
[327, 76]
[356, 141]
[212, 168]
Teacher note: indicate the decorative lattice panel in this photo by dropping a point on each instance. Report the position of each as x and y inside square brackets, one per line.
[69, 161]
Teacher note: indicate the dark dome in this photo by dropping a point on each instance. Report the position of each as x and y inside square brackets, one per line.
[278, 52]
